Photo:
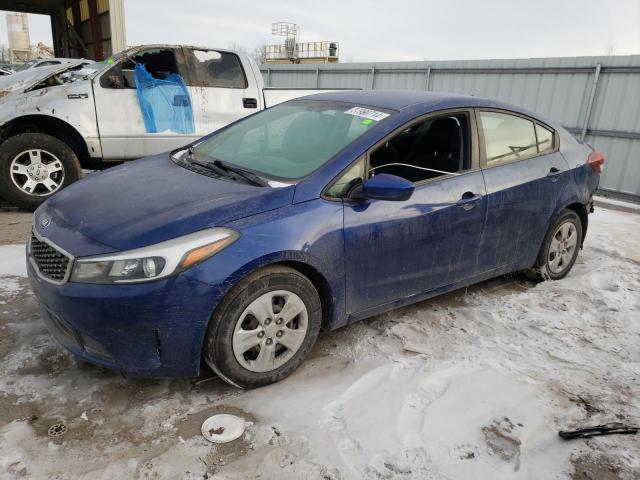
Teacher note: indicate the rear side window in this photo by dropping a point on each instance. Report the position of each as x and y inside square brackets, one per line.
[210, 68]
[545, 139]
[507, 137]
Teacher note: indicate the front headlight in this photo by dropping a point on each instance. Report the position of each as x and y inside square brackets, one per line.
[155, 261]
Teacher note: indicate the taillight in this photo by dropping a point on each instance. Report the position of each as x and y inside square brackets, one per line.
[596, 161]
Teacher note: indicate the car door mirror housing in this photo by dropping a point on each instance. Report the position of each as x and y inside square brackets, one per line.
[387, 187]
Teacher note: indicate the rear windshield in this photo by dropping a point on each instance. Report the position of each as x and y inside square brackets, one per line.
[291, 140]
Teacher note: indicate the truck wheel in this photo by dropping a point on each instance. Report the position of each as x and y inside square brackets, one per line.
[34, 166]
[559, 249]
[263, 328]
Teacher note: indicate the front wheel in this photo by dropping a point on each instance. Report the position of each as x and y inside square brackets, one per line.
[263, 328]
[559, 249]
[34, 166]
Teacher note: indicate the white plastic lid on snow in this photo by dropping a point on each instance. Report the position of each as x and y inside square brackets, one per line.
[222, 428]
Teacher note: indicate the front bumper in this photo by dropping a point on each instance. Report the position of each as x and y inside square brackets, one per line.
[149, 329]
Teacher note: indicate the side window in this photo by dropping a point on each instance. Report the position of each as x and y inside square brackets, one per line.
[344, 184]
[545, 139]
[160, 63]
[209, 68]
[507, 137]
[432, 148]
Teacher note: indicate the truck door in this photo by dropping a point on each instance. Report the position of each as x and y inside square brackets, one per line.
[220, 88]
[122, 130]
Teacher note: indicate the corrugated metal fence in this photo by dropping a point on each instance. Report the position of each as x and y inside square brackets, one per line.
[596, 98]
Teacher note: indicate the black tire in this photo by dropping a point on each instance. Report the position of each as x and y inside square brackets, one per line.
[218, 345]
[542, 270]
[53, 148]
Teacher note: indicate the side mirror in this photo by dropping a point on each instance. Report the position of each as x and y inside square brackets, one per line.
[387, 187]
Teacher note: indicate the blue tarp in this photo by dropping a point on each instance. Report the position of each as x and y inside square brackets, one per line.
[165, 104]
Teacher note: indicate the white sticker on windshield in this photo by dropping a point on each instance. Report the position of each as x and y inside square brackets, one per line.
[367, 113]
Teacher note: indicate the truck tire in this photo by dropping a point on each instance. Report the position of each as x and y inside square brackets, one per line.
[263, 328]
[33, 167]
[559, 249]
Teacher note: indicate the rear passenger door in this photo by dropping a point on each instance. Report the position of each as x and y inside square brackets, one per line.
[220, 90]
[524, 173]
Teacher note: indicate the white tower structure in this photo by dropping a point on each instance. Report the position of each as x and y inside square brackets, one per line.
[19, 42]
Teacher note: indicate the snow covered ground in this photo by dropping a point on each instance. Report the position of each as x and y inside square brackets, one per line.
[473, 384]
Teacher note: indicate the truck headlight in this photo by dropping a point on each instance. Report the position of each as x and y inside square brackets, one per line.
[155, 261]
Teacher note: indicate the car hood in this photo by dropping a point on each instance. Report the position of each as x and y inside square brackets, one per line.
[151, 200]
[21, 81]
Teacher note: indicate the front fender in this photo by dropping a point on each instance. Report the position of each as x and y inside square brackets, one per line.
[288, 256]
[309, 235]
[70, 103]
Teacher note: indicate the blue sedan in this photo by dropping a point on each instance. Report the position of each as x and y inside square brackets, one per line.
[240, 248]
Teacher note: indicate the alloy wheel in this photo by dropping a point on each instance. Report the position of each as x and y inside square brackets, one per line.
[562, 247]
[37, 172]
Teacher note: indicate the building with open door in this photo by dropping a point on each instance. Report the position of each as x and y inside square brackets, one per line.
[91, 29]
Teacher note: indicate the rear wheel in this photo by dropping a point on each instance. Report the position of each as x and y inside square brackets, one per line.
[559, 249]
[34, 166]
[264, 327]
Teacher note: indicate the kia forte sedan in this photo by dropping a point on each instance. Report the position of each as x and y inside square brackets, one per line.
[240, 248]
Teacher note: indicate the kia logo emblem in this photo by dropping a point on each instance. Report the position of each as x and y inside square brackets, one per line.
[45, 222]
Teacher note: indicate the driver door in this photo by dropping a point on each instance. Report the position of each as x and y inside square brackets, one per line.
[395, 250]
[120, 123]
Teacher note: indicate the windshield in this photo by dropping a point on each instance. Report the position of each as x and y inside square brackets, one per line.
[290, 140]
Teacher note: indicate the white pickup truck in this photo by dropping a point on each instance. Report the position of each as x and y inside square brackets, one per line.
[56, 120]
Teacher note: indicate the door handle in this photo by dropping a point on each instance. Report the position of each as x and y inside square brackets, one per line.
[468, 200]
[554, 174]
[250, 103]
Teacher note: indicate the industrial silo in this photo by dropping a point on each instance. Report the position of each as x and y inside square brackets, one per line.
[19, 43]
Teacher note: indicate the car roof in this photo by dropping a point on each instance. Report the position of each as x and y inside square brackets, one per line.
[402, 99]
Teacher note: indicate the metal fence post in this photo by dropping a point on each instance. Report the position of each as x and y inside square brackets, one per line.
[373, 76]
[427, 78]
[592, 97]
[317, 75]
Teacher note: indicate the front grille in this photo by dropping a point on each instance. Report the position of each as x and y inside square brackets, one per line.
[51, 263]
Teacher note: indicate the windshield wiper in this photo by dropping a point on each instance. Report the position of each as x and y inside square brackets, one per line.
[223, 169]
[209, 166]
[249, 176]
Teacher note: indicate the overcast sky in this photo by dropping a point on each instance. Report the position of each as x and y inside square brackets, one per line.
[390, 30]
